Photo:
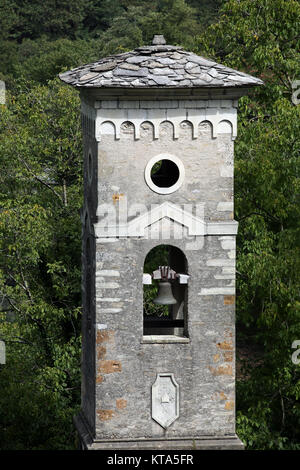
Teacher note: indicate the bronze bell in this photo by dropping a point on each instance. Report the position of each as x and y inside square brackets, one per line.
[165, 294]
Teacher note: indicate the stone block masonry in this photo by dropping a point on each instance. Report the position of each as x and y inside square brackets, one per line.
[158, 106]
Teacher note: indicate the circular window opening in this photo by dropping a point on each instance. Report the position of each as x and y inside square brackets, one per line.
[164, 173]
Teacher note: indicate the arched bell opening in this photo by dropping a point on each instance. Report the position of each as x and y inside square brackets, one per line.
[165, 292]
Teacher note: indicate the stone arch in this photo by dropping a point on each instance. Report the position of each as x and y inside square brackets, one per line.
[186, 129]
[146, 129]
[165, 319]
[128, 129]
[206, 128]
[225, 127]
[86, 221]
[166, 127]
[108, 128]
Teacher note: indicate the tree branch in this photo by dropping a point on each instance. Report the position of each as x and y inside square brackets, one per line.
[40, 179]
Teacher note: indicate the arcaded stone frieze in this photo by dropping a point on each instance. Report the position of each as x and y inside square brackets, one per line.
[109, 120]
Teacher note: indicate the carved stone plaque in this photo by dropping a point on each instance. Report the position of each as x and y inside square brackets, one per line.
[165, 399]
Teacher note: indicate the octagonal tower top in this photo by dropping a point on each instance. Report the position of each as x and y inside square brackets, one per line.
[158, 66]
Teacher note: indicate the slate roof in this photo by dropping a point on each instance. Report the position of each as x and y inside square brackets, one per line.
[158, 65]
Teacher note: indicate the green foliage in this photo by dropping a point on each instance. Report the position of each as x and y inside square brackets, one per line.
[41, 196]
[138, 24]
[158, 256]
[206, 10]
[8, 18]
[33, 18]
[259, 37]
[42, 60]
[100, 14]
[262, 38]
[272, 421]
[267, 205]
[151, 309]
[37, 402]
[40, 266]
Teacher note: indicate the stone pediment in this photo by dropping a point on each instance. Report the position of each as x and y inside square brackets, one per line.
[137, 227]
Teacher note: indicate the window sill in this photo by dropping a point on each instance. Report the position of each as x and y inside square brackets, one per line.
[163, 339]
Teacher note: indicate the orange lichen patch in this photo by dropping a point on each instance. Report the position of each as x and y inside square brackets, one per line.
[228, 332]
[109, 366]
[121, 403]
[105, 336]
[229, 299]
[101, 351]
[221, 370]
[99, 379]
[105, 415]
[229, 405]
[117, 197]
[225, 345]
[228, 356]
[219, 396]
[216, 357]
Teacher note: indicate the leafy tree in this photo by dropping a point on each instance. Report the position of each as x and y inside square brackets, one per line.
[42, 60]
[40, 199]
[100, 14]
[35, 18]
[8, 48]
[8, 18]
[267, 205]
[206, 10]
[178, 22]
[138, 24]
[40, 266]
[262, 38]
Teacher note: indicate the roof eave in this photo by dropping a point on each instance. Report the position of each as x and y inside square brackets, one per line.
[161, 93]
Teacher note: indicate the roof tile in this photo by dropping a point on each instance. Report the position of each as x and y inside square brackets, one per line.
[155, 66]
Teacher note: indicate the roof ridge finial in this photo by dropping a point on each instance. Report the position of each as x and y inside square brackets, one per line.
[158, 40]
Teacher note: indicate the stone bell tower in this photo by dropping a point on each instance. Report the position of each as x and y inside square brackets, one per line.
[159, 125]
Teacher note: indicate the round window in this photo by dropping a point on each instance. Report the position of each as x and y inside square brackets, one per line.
[164, 173]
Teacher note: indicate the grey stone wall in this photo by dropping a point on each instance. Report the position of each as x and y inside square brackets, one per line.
[126, 367]
[88, 216]
[208, 166]
[119, 365]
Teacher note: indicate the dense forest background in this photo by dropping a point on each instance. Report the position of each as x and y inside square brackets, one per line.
[41, 196]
